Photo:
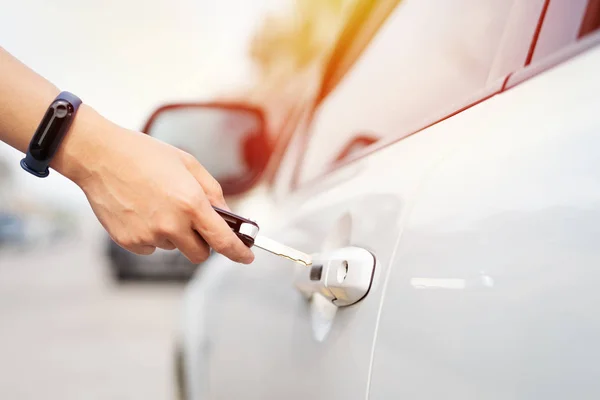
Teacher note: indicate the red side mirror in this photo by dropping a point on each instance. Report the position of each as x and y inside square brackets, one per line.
[228, 139]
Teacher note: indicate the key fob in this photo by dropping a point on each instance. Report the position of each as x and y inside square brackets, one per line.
[244, 228]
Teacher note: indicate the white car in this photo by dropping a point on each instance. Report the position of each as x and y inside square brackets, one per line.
[447, 183]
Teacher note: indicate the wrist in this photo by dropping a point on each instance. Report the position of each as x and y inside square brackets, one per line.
[82, 146]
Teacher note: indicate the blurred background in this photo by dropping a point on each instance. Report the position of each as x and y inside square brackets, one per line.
[77, 321]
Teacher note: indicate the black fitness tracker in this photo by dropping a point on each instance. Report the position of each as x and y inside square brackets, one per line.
[50, 133]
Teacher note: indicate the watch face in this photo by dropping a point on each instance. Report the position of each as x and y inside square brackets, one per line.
[51, 130]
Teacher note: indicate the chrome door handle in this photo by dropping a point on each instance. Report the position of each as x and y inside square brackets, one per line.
[343, 276]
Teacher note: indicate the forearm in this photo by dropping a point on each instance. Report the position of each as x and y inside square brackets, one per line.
[146, 193]
[24, 99]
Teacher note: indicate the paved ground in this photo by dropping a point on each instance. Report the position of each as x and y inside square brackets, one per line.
[67, 332]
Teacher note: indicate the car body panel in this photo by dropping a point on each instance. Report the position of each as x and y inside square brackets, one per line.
[493, 288]
[259, 324]
[460, 217]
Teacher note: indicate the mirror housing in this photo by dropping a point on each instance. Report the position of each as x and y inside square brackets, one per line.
[228, 139]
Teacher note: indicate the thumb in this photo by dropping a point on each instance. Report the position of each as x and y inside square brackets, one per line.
[211, 187]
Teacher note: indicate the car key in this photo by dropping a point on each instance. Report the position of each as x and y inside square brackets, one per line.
[247, 231]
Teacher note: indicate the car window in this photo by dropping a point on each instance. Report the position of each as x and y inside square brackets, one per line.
[591, 19]
[566, 22]
[428, 57]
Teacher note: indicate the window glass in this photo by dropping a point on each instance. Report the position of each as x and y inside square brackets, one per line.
[560, 27]
[429, 57]
[591, 20]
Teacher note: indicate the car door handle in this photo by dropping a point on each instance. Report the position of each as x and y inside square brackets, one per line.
[355, 145]
[343, 276]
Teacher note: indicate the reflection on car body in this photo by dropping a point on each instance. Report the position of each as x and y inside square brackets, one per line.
[480, 202]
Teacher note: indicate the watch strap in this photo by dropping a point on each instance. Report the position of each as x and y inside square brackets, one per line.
[51, 131]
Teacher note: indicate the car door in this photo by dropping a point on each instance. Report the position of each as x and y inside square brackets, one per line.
[493, 292]
[263, 339]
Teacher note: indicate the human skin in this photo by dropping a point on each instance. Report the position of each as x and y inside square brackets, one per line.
[144, 192]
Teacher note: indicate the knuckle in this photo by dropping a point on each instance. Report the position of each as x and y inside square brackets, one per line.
[184, 204]
[165, 228]
[125, 242]
[215, 189]
[197, 198]
[190, 202]
[141, 239]
[138, 244]
[187, 158]
[134, 242]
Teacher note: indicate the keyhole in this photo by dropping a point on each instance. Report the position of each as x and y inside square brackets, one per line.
[342, 271]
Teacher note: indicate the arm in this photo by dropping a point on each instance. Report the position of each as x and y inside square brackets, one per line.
[144, 192]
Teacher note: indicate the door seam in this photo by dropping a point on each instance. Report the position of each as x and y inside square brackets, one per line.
[410, 206]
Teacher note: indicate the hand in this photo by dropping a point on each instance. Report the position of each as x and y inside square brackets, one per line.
[146, 193]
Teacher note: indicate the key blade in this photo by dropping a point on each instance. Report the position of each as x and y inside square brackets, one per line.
[283, 251]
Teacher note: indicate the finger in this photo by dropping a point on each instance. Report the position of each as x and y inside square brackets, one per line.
[211, 187]
[142, 250]
[219, 235]
[193, 247]
[166, 245]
